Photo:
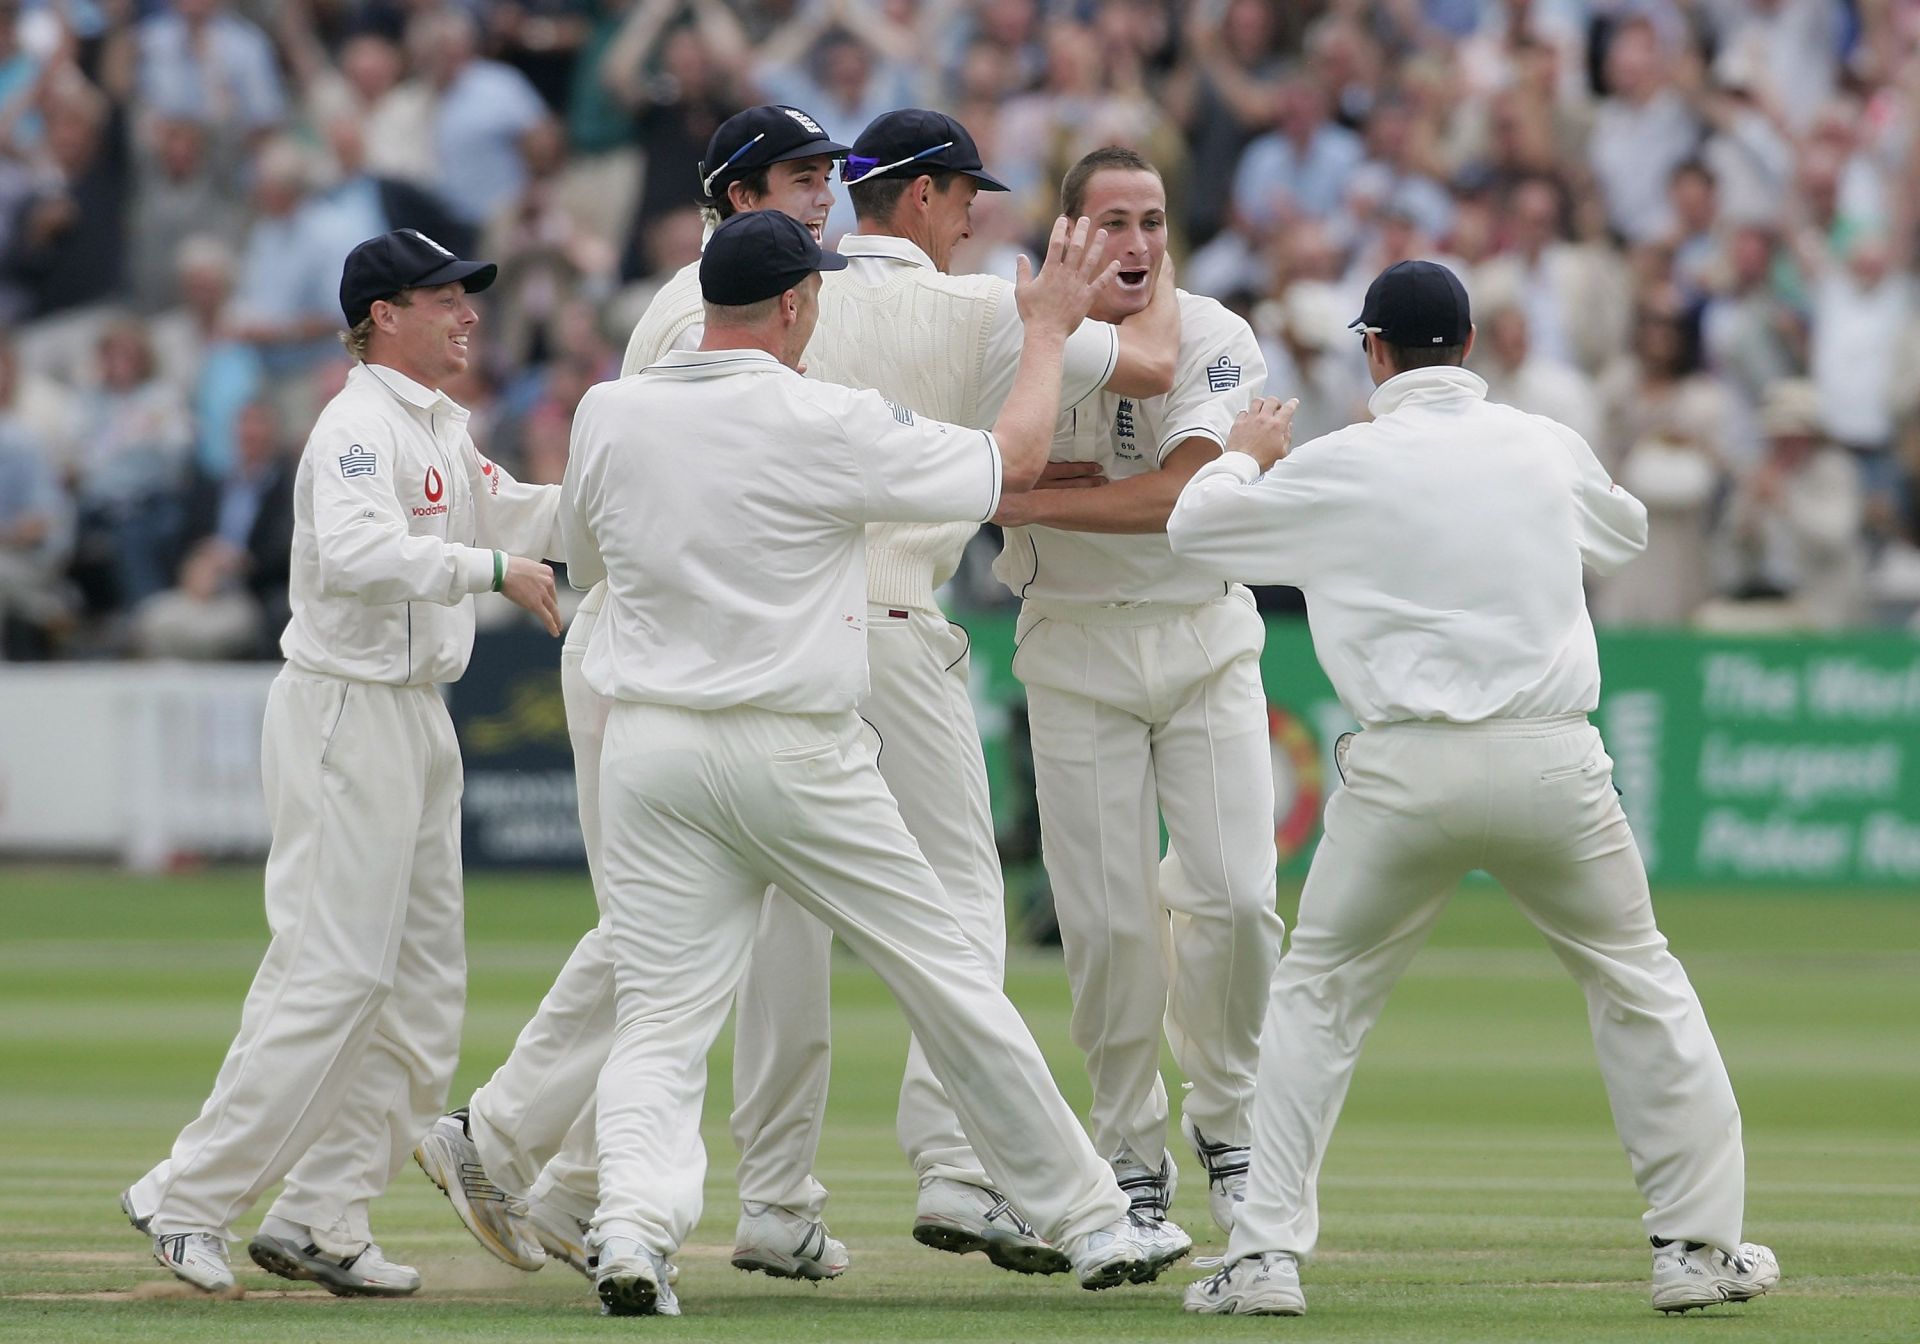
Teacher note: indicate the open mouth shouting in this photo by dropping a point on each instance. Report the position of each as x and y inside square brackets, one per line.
[1132, 282]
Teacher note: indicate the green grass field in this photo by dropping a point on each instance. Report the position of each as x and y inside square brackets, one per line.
[1474, 1191]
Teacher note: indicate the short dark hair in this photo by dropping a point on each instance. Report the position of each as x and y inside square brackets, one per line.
[1407, 357]
[1073, 187]
[755, 180]
[876, 198]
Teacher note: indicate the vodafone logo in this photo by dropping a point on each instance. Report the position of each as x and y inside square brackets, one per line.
[435, 487]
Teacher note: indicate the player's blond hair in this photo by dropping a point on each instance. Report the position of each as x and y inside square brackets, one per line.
[355, 337]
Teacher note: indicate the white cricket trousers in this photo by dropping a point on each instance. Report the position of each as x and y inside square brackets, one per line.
[1139, 713]
[928, 743]
[351, 1029]
[1531, 801]
[701, 811]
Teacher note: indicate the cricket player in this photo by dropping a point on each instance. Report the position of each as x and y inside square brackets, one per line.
[519, 1163]
[349, 1035]
[1144, 696]
[1440, 548]
[733, 643]
[944, 346]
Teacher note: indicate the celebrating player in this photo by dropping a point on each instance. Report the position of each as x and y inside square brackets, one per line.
[1144, 696]
[732, 642]
[506, 1151]
[1440, 548]
[351, 1029]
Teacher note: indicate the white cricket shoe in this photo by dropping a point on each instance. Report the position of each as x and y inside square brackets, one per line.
[562, 1236]
[126, 1207]
[1256, 1285]
[367, 1274]
[783, 1244]
[959, 1217]
[633, 1281]
[1149, 1191]
[200, 1258]
[1131, 1249]
[496, 1219]
[1689, 1274]
[1226, 1168]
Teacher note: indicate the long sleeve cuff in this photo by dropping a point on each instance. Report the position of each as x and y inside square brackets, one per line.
[1234, 463]
[476, 568]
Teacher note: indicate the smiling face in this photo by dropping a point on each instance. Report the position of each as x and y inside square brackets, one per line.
[426, 336]
[1129, 205]
[801, 188]
[949, 218]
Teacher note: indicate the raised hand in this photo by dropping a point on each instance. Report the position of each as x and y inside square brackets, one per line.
[1062, 294]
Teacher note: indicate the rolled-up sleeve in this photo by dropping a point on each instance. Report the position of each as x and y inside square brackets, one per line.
[917, 470]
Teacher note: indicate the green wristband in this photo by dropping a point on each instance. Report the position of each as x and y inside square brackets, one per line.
[499, 569]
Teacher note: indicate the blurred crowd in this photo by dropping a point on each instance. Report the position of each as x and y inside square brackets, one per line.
[1687, 227]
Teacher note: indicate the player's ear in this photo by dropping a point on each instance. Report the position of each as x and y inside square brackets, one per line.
[739, 197]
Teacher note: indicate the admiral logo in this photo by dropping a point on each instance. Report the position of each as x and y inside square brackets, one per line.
[807, 123]
[358, 461]
[900, 413]
[1222, 375]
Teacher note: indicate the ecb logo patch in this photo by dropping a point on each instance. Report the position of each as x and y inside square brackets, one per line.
[1123, 420]
[1222, 376]
[807, 123]
[358, 461]
[900, 413]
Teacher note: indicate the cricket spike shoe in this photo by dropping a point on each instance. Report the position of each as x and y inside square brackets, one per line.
[198, 1258]
[1255, 1285]
[960, 1217]
[633, 1281]
[366, 1274]
[562, 1236]
[1130, 1249]
[133, 1216]
[783, 1244]
[1226, 1167]
[1149, 1190]
[496, 1219]
[1689, 1274]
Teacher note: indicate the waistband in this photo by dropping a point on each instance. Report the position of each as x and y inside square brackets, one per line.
[1112, 613]
[294, 672]
[1541, 727]
[900, 578]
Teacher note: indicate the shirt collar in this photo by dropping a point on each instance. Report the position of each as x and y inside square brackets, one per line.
[1426, 387]
[414, 394]
[885, 245]
[695, 361]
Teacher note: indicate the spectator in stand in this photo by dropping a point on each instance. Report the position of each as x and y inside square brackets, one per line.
[36, 529]
[548, 252]
[1576, 297]
[1794, 526]
[1644, 129]
[1693, 241]
[229, 594]
[1518, 375]
[369, 82]
[1311, 356]
[135, 442]
[1751, 337]
[1659, 389]
[200, 61]
[176, 195]
[68, 248]
[364, 203]
[542, 39]
[286, 298]
[1790, 47]
[831, 59]
[1301, 166]
[481, 109]
[1861, 303]
[1223, 95]
[680, 81]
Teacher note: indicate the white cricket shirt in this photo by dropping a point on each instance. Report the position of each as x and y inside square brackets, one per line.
[1439, 547]
[946, 346]
[1219, 372]
[396, 516]
[723, 499]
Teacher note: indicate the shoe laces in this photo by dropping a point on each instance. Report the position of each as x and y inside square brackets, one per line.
[1002, 1208]
[1224, 1161]
[1146, 1190]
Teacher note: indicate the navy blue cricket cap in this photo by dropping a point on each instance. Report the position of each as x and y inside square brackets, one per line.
[404, 259]
[1416, 303]
[759, 254]
[748, 141]
[915, 141]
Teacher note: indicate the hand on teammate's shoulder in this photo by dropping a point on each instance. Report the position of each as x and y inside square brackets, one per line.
[1264, 431]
